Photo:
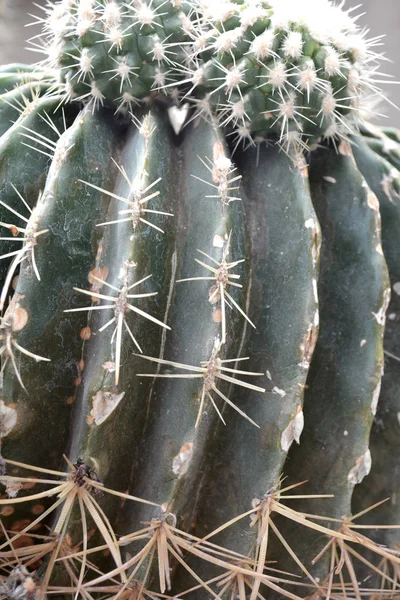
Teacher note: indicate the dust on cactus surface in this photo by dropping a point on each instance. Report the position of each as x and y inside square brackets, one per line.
[200, 306]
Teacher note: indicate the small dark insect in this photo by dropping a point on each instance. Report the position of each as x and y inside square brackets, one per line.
[83, 470]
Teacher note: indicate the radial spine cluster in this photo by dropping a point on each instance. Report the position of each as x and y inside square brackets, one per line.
[115, 53]
[296, 69]
[300, 70]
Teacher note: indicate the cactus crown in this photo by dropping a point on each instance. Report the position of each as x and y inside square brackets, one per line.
[300, 70]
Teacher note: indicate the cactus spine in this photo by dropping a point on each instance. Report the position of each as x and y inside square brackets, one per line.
[190, 328]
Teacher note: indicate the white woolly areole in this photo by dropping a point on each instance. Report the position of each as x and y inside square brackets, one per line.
[228, 40]
[262, 45]
[85, 62]
[307, 78]
[328, 105]
[293, 45]
[115, 36]
[112, 14]
[251, 14]
[83, 27]
[145, 15]
[233, 78]
[277, 76]
[158, 51]
[238, 111]
[332, 63]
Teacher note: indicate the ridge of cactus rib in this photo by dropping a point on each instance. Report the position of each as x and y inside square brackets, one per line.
[194, 297]
[382, 482]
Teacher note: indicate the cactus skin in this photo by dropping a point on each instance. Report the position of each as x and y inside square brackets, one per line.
[382, 482]
[346, 369]
[137, 388]
[36, 131]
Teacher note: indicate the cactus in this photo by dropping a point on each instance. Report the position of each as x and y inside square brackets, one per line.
[193, 330]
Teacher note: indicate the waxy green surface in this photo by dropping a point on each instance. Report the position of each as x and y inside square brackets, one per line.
[344, 379]
[383, 481]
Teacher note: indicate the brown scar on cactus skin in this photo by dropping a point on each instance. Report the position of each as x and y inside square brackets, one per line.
[121, 306]
[209, 371]
[14, 320]
[222, 278]
[180, 463]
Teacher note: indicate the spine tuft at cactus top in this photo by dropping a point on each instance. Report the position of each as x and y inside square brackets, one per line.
[199, 306]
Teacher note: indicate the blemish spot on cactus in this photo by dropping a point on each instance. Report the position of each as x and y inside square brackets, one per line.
[8, 419]
[217, 315]
[109, 366]
[218, 241]
[308, 345]
[19, 318]
[85, 333]
[14, 320]
[360, 469]
[396, 288]
[362, 343]
[95, 278]
[315, 289]
[380, 316]
[375, 397]
[329, 179]
[103, 404]
[180, 463]
[37, 509]
[279, 391]
[310, 224]
[7, 511]
[345, 148]
[293, 431]
[372, 201]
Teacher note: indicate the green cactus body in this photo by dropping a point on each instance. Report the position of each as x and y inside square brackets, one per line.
[26, 151]
[197, 325]
[382, 482]
[345, 376]
[17, 74]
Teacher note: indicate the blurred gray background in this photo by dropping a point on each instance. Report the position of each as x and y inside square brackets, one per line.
[381, 17]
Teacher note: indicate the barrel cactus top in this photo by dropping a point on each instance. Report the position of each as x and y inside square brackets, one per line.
[300, 70]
